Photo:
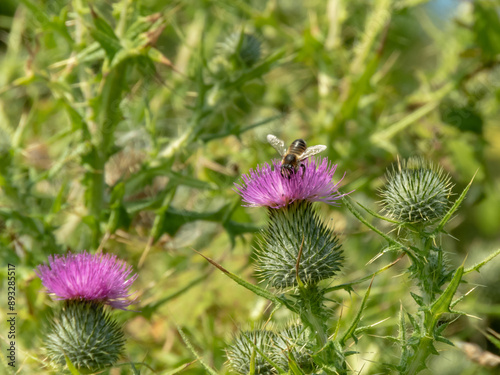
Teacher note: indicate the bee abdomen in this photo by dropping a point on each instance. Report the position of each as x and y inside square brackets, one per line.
[298, 147]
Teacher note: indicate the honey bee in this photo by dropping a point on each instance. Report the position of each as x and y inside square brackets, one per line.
[294, 155]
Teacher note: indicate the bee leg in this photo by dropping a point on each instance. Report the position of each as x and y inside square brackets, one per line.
[303, 169]
[285, 172]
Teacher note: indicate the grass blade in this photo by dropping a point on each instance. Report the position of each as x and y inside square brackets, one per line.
[193, 350]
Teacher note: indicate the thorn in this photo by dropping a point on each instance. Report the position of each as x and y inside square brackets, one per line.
[211, 261]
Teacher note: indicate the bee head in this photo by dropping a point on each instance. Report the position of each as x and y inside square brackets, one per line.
[287, 170]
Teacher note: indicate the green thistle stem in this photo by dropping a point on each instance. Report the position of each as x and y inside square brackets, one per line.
[108, 116]
[314, 316]
[310, 317]
[414, 364]
[417, 362]
[429, 270]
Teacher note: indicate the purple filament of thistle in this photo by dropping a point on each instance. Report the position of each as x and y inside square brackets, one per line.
[99, 277]
[266, 186]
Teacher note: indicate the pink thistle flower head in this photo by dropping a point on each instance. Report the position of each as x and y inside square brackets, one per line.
[99, 277]
[266, 186]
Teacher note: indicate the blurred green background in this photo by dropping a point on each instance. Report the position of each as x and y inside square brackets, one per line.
[124, 125]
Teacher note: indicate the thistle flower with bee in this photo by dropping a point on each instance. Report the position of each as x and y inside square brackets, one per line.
[296, 246]
[297, 251]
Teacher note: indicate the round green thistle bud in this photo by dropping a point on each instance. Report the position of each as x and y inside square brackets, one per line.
[219, 66]
[87, 335]
[242, 46]
[294, 339]
[416, 192]
[242, 351]
[292, 229]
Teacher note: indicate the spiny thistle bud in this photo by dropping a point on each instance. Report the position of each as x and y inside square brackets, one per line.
[416, 192]
[241, 353]
[293, 230]
[294, 339]
[241, 47]
[219, 66]
[87, 335]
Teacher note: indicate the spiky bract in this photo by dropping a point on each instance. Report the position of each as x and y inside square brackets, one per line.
[86, 334]
[242, 350]
[416, 192]
[296, 342]
[290, 229]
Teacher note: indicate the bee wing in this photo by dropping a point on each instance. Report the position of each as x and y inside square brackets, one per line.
[313, 150]
[277, 143]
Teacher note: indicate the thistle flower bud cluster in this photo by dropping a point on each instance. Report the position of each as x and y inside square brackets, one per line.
[417, 192]
[264, 349]
[295, 338]
[241, 47]
[246, 347]
[238, 51]
[82, 330]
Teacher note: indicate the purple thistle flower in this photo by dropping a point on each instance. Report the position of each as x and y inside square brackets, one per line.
[266, 186]
[99, 277]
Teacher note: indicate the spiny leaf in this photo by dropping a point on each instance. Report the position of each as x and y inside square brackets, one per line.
[453, 208]
[413, 322]
[402, 339]
[442, 304]
[103, 33]
[479, 265]
[444, 340]
[253, 288]
[418, 299]
[352, 328]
